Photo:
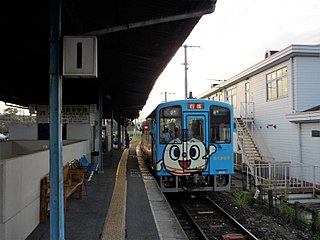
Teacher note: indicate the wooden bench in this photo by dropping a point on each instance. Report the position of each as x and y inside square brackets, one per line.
[73, 179]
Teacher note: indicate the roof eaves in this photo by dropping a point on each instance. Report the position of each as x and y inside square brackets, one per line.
[298, 117]
[273, 60]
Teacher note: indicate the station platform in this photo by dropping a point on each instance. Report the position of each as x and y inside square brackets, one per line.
[121, 202]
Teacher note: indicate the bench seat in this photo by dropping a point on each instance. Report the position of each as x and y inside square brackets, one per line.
[72, 182]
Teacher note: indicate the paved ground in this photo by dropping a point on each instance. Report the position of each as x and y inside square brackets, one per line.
[123, 202]
[85, 218]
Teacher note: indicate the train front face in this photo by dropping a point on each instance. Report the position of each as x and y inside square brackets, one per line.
[194, 146]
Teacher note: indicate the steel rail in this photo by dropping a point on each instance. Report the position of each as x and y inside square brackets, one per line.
[198, 228]
[242, 228]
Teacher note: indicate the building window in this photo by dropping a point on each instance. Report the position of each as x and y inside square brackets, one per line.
[220, 97]
[315, 133]
[232, 97]
[277, 84]
[247, 92]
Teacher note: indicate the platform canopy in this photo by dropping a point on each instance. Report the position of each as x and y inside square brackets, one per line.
[136, 40]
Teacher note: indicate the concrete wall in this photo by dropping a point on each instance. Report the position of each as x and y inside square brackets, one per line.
[9, 149]
[20, 187]
[5, 149]
[24, 131]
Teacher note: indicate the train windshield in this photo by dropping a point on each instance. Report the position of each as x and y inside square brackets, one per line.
[170, 123]
[196, 128]
[220, 131]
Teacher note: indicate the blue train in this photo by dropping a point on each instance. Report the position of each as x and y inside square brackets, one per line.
[189, 145]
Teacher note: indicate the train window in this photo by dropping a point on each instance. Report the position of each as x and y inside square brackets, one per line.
[195, 126]
[220, 131]
[170, 123]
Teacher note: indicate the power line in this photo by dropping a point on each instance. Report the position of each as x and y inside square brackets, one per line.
[236, 20]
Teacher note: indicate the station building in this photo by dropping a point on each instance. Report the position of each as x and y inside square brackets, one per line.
[276, 105]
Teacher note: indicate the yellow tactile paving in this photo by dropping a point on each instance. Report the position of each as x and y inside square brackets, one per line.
[114, 226]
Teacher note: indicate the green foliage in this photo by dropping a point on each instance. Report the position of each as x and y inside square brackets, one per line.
[10, 111]
[3, 129]
[135, 139]
[242, 198]
[287, 213]
[306, 218]
[317, 233]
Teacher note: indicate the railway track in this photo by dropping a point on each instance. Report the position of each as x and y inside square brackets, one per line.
[202, 218]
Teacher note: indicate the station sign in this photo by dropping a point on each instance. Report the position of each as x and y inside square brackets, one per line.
[80, 57]
[69, 114]
[75, 114]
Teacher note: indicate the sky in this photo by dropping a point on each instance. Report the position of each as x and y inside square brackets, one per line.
[233, 38]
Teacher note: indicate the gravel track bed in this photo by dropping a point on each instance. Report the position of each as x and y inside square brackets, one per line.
[255, 218]
[258, 221]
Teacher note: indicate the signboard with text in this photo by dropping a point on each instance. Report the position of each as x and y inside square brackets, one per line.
[69, 114]
[75, 114]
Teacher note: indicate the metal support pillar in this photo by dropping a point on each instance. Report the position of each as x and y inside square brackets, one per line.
[122, 135]
[101, 170]
[112, 143]
[56, 162]
[119, 134]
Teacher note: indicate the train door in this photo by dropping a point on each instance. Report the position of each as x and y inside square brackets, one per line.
[194, 147]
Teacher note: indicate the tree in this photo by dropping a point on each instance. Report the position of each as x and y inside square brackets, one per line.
[3, 129]
[12, 114]
[10, 111]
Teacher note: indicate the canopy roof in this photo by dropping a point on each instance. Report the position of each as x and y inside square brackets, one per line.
[136, 40]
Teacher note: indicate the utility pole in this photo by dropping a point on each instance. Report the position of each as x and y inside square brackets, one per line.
[166, 95]
[186, 69]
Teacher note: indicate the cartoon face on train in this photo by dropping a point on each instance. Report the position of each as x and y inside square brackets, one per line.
[185, 157]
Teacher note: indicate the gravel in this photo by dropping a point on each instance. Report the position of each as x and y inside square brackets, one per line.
[257, 219]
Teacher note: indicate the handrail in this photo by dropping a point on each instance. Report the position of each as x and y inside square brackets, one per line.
[262, 146]
[287, 175]
[247, 109]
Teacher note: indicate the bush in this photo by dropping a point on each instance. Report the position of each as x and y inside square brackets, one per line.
[242, 198]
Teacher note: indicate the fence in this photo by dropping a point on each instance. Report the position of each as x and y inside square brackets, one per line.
[287, 176]
[292, 213]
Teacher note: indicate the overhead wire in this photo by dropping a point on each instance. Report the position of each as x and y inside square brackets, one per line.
[236, 20]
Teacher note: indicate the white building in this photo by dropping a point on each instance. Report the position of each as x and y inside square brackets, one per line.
[279, 100]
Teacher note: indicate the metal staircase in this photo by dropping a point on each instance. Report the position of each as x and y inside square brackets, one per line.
[250, 151]
[283, 177]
